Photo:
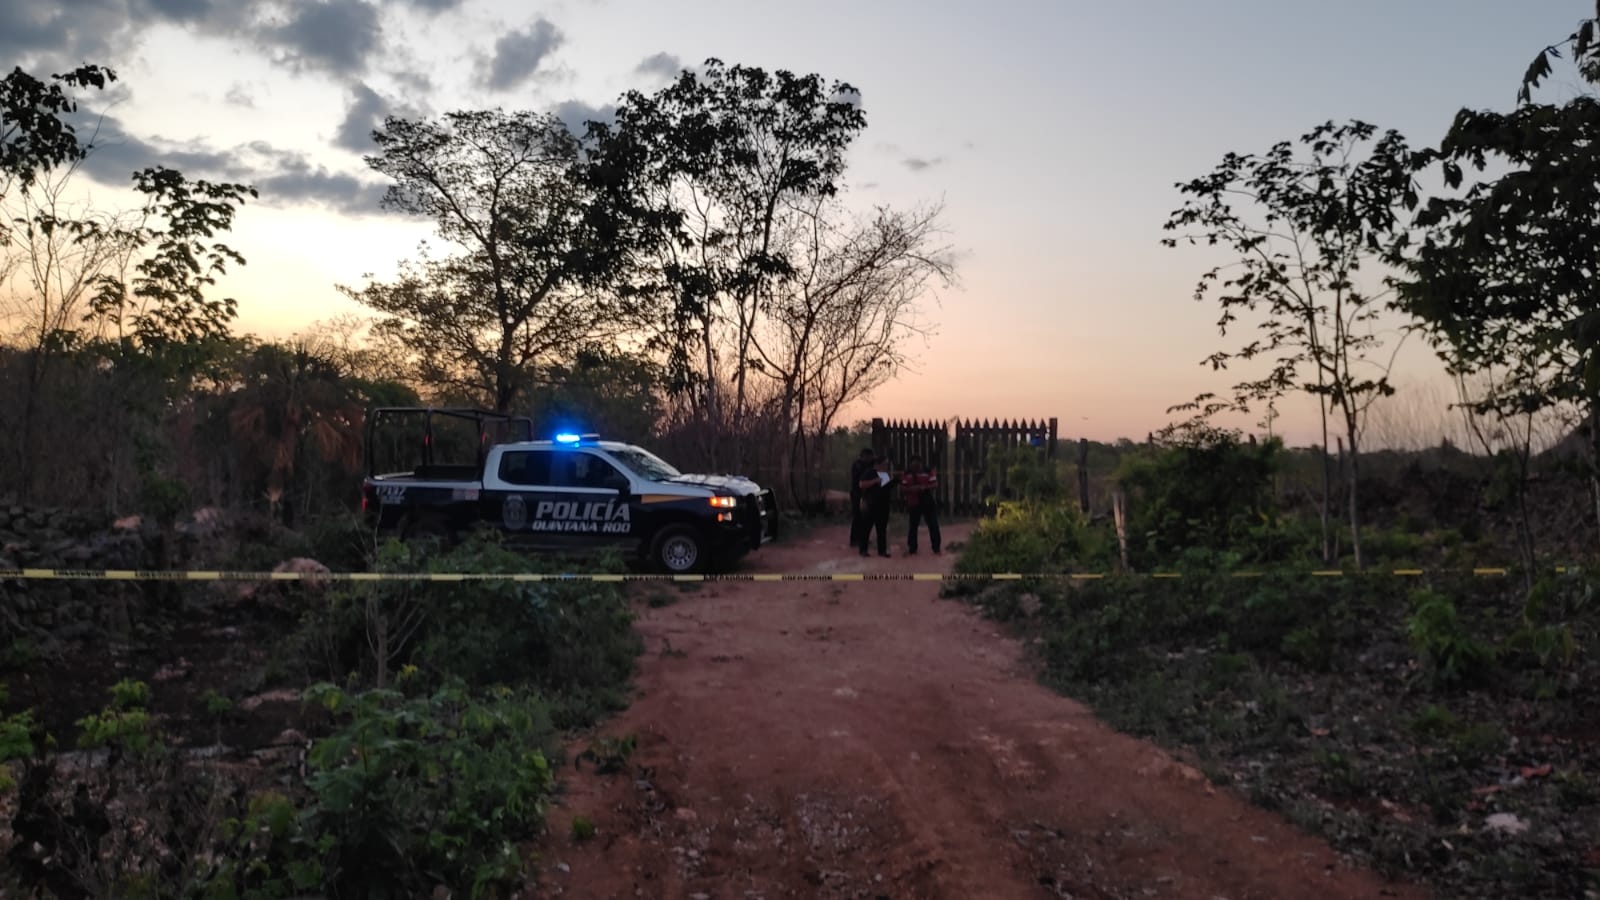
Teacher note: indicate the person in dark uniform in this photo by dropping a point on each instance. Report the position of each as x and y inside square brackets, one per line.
[919, 486]
[858, 471]
[874, 509]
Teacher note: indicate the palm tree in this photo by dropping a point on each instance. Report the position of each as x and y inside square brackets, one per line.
[294, 409]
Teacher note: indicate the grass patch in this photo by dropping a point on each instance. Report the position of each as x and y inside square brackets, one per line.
[1392, 717]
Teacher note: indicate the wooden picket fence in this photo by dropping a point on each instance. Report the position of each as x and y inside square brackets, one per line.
[962, 460]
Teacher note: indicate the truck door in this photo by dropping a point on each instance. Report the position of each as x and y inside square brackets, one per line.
[521, 478]
[586, 500]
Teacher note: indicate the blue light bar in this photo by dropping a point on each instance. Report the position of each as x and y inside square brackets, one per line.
[567, 438]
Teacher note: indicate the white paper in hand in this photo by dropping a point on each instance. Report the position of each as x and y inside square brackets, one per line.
[883, 477]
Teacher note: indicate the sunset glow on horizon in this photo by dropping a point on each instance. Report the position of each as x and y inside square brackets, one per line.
[1052, 133]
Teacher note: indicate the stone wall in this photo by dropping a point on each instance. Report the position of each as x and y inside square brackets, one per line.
[35, 610]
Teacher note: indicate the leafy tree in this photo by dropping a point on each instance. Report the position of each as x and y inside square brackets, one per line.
[1200, 489]
[144, 277]
[612, 393]
[35, 136]
[532, 252]
[162, 306]
[710, 166]
[1501, 269]
[1585, 54]
[1303, 224]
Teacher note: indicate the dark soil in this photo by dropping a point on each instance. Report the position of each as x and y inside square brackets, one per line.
[223, 644]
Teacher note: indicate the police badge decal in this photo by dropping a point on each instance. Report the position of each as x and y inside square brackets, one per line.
[514, 513]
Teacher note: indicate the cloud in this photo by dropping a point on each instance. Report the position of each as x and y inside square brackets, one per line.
[575, 114]
[297, 182]
[238, 96]
[47, 34]
[920, 164]
[660, 65]
[366, 112]
[434, 7]
[335, 36]
[182, 10]
[518, 54]
[417, 82]
[282, 177]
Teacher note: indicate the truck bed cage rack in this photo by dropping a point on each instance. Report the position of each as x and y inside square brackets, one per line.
[483, 418]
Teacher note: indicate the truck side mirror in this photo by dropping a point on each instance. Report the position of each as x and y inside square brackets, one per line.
[617, 483]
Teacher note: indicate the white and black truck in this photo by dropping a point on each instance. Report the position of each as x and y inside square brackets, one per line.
[568, 492]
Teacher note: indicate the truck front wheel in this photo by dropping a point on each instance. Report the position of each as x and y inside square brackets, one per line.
[679, 550]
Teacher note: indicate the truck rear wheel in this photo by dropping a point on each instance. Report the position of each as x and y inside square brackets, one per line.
[679, 550]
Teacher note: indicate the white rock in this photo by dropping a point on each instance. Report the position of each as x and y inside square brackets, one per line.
[1505, 822]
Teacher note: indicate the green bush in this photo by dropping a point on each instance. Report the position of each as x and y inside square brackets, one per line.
[410, 792]
[17, 732]
[417, 792]
[1033, 537]
[1037, 530]
[342, 542]
[1205, 492]
[1454, 656]
[572, 639]
[1392, 547]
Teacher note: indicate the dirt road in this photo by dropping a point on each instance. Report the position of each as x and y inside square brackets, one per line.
[871, 740]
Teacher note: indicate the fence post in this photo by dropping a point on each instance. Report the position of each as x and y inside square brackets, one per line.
[1083, 474]
[1119, 512]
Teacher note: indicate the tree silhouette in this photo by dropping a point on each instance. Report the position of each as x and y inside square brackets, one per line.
[524, 285]
[1303, 224]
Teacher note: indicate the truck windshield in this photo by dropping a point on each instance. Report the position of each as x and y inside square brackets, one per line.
[645, 464]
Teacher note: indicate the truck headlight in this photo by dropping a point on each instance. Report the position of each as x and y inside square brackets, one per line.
[723, 502]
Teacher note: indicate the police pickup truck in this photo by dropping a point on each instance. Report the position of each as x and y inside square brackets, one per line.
[572, 492]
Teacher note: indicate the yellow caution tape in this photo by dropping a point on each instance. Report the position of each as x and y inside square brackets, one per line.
[219, 575]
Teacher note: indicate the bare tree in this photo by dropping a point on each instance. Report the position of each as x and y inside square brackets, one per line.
[56, 256]
[838, 330]
[1416, 417]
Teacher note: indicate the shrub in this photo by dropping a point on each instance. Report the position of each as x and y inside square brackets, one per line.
[1454, 656]
[1029, 537]
[342, 542]
[409, 793]
[1209, 491]
[145, 824]
[572, 639]
[418, 792]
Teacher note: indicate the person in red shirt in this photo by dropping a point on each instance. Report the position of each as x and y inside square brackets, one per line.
[920, 486]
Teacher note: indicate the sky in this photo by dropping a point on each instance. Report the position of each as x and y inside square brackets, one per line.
[1052, 131]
